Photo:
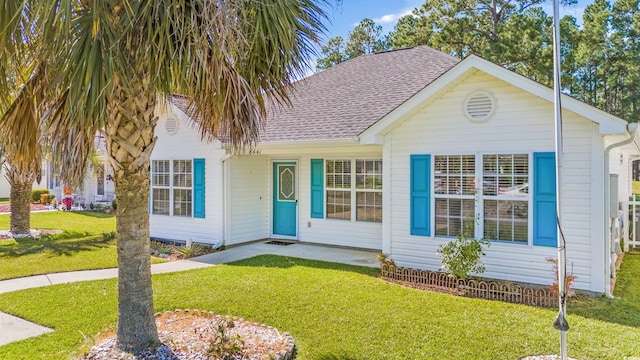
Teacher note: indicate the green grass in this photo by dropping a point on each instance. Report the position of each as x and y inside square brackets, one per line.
[76, 221]
[626, 309]
[4, 200]
[635, 187]
[333, 312]
[80, 247]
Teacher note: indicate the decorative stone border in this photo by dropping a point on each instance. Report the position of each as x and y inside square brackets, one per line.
[475, 288]
[288, 354]
[194, 334]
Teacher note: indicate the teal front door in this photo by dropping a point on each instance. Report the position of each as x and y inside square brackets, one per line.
[285, 201]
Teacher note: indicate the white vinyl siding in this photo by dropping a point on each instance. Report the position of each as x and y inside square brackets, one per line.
[186, 145]
[522, 124]
[247, 199]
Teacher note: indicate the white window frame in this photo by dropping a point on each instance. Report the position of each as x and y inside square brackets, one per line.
[171, 187]
[459, 195]
[352, 190]
[479, 197]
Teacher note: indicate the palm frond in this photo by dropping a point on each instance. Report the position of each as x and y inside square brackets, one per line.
[226, 56]
[22, 121]
[71, 141]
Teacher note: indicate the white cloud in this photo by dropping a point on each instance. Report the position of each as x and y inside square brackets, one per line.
[392, 18]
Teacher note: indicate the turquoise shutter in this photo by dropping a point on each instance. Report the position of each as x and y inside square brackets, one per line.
[545, 225]
[420, 195]
[317, 188]
[198, 188]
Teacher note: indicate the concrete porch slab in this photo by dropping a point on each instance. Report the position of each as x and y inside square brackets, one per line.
[300, 250]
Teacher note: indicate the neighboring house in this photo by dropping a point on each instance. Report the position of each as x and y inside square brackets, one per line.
[98, 186]
[5, 187]
[395, 152]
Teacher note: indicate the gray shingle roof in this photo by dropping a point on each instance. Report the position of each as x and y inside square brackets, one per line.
[343, 101]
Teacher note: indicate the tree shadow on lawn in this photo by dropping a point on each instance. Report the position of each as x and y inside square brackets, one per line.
[66, 244]
[94, 214]
[284, 262]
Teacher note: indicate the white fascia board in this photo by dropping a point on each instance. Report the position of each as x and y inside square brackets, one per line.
[608, 124]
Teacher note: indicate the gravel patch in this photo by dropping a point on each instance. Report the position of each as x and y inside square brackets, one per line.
[33, 233]
[196, 335]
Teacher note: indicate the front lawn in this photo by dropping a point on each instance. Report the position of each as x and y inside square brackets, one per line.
[333, 311]
[81, 247]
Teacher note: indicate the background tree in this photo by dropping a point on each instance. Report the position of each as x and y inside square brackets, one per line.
[332, 53]
[409, 31]
[594, 55]
[625, 26]
[116, 59]
[365, 38]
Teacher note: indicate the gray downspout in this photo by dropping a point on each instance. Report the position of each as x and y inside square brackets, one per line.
[631, 131]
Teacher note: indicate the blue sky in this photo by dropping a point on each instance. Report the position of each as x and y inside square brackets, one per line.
[386, 13]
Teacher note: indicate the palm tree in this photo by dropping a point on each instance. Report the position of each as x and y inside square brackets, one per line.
[117, 58]
[22, 159]
[20, 116]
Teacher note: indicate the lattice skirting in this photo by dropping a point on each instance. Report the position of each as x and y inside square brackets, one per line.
[476, 288]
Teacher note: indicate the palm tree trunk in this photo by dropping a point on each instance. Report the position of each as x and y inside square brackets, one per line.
[130, 139]
[20, 197]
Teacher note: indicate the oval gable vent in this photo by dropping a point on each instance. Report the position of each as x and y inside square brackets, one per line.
[479, 106]
[171, 124]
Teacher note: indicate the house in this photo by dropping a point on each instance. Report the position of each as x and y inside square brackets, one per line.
[397, 152]
[97, 188]
[5, 187]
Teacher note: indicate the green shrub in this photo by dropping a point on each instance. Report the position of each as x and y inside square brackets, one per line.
[191, 250]
[114, 204]
[461, 256]
[108, 236]
[35, 194]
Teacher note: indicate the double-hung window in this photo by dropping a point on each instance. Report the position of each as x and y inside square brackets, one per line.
[505, 196]
[488, 195]
[172, 187]
[454, 193]
[354, 184]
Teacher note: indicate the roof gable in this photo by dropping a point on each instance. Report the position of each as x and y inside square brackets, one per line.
[608, 124]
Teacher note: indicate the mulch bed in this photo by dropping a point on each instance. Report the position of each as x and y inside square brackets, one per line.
[6, 208]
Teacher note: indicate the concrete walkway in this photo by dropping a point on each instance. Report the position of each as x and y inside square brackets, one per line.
[13, 328]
